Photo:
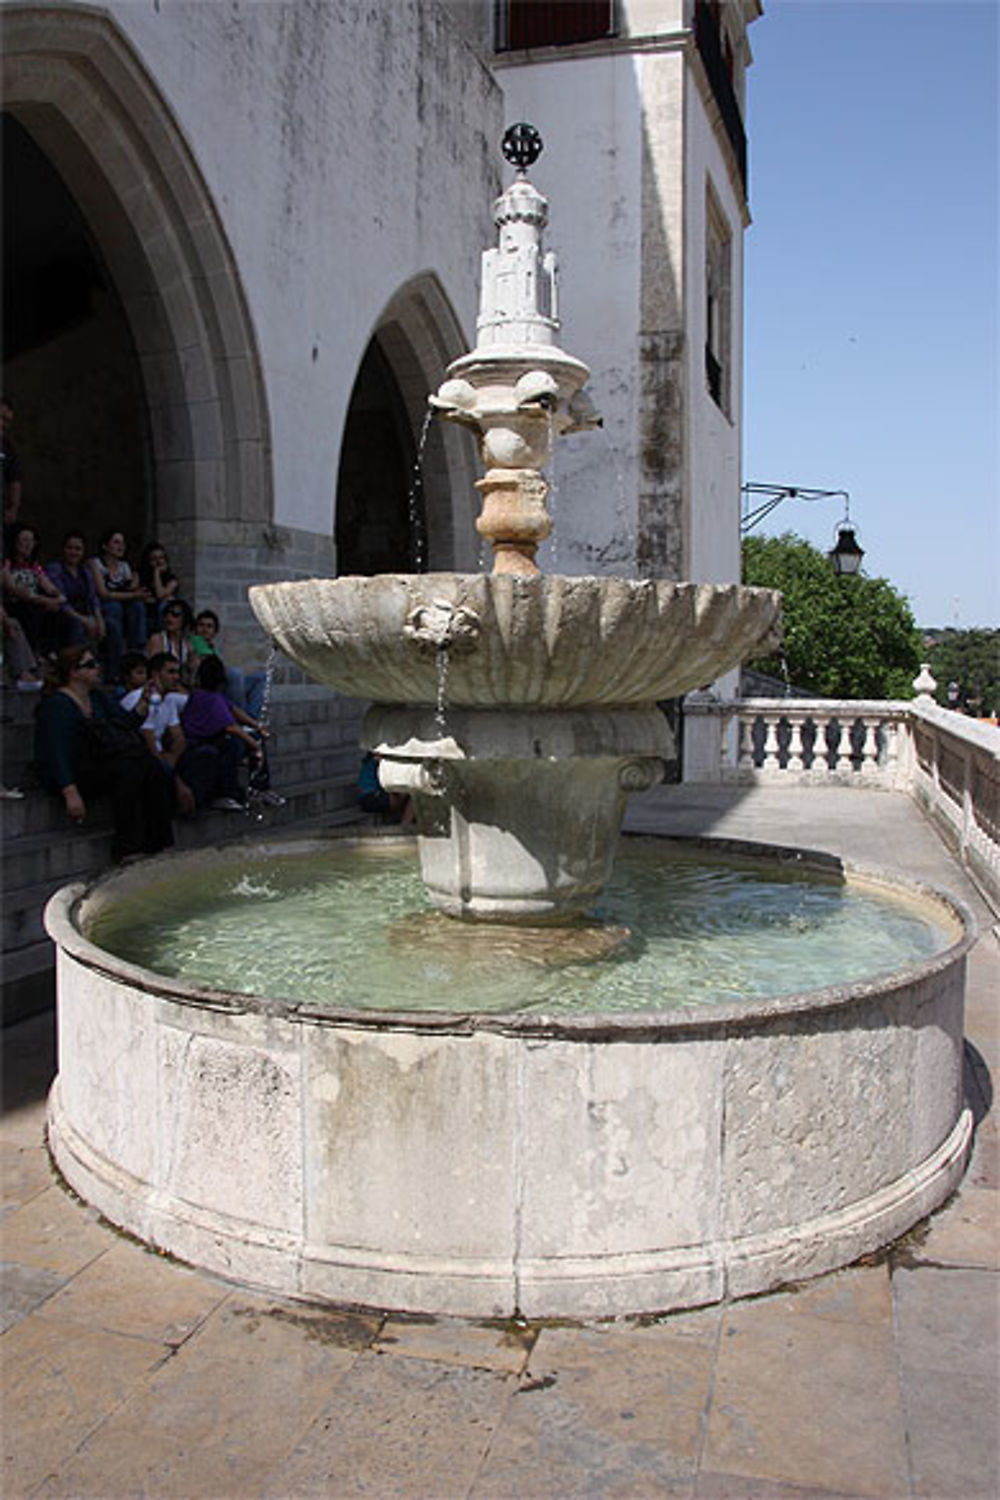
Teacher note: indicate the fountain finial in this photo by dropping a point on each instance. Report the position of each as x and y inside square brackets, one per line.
[521, 145]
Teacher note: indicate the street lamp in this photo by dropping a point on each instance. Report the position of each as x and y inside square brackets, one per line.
[846, 553]
[760, 499]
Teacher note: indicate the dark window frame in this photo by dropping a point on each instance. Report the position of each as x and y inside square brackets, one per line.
[521, 25]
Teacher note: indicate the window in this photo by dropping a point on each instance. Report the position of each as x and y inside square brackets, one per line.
[716, 54]
[718, 303]
[552, 23]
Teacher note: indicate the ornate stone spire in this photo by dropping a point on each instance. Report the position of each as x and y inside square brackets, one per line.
[517, 389]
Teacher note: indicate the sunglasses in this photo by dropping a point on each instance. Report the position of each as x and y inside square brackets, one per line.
[86, 661]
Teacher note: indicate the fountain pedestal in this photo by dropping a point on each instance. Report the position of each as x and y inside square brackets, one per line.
[518, 812]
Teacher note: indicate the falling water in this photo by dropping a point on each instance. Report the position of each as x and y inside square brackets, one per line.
[441, 661]
[414, 499]
[254, 808]
[553, 495]
[264, 717]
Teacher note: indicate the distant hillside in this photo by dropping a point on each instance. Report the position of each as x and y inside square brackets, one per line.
[966, 667]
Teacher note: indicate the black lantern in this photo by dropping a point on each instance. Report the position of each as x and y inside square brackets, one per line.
[846, 553]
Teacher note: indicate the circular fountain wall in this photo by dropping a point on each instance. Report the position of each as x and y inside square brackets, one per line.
[573, 1164]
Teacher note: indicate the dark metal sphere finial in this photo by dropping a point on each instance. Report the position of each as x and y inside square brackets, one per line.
[521, 145]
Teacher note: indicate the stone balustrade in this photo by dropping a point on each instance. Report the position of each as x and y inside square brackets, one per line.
[954, 775]
[948, 763]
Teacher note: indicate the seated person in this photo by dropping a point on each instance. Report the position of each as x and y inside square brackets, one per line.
[30, 595]
[134, 672]
[245, 689]
[86, 746]
[18, 658]
[217, 732]
[160, 582]
[121, 598]
[394, 807]
[82, 616]
[158, 702]
[175, 637]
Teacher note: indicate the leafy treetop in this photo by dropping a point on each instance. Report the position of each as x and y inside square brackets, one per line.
[845, 637]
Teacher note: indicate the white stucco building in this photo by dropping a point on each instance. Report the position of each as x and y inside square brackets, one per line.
[245, 244]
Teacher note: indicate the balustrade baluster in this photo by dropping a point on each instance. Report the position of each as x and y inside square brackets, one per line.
[845, 750]
[823, 755]
[745, 761]
[795, 761]
[869, 751]
[771, 761]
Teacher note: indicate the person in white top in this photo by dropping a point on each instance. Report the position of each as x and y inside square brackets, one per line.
[159, 704]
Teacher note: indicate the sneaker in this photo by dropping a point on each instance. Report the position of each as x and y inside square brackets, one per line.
[11, 794]
[227, 804]
[271, 799]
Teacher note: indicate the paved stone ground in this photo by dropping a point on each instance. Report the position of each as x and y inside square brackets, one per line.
[125, 1374]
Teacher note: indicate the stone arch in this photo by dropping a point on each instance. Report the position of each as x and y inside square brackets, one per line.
[418, 335]
[75, 84]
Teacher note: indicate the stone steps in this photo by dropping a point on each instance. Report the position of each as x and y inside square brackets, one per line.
[314, 759]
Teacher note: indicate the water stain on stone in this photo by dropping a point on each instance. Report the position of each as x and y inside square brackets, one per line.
[341, 1330]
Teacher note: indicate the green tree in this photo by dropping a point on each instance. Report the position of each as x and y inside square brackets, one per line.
[844, 637]
[971, 660]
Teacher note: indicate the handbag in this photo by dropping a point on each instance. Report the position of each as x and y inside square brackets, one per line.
[110, 739]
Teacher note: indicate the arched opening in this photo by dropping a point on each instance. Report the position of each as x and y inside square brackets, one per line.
[79, 92]
[389, 516]
[380, 515]
[70, 368]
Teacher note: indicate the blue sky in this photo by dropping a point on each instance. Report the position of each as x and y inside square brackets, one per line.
[872, 326]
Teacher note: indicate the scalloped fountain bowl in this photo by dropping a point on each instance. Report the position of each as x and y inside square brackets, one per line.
[518, 642]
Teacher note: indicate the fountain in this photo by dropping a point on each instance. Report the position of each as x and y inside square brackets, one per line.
[486, 1157]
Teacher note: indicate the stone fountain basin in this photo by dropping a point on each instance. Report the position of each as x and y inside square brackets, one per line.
[482, 1165]
[545, 641]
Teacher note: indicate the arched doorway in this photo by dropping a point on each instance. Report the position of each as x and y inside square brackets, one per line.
[70, 369]
[381, 526]
[390, 517]
[77, 89]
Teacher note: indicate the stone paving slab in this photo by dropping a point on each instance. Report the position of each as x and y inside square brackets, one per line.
[812, 1400]
[215, 1419]
[125, 1374]
[54, 1232]
[24, 1171]
[61, 1381]
[397, 1427]
[946, 1323]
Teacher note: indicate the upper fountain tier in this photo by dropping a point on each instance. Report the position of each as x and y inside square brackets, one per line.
[542, 642]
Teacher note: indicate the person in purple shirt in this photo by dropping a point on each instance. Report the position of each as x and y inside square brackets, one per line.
[82, 617]
[216, 733]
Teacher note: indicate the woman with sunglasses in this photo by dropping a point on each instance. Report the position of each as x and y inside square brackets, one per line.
[86, 747]
[174, 639]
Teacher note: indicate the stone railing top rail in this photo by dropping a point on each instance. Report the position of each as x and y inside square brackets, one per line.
[973, 731]
[829, 708]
